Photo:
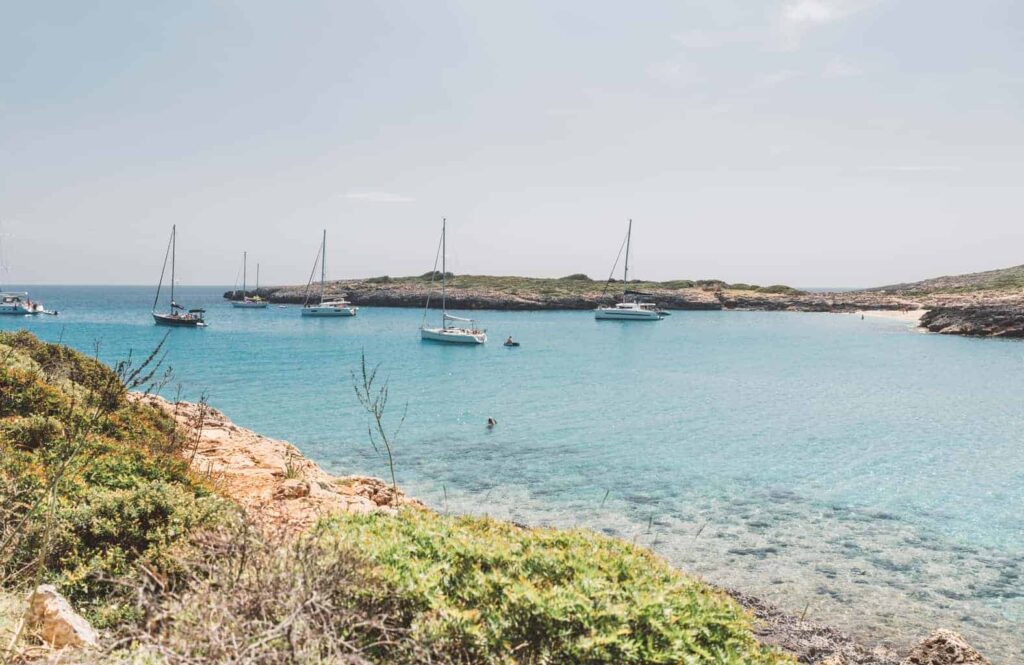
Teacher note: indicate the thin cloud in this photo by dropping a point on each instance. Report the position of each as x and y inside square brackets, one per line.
[916, 168]
[710, 39]
[800, 16]
[378, 197]
[839, 68]
[674, 72]
[775, 79]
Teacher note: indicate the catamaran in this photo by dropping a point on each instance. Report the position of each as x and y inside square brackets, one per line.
[326, 307]
[176, 314]
[247, 302]
[468, 334]
[629, 310]
[17, 303]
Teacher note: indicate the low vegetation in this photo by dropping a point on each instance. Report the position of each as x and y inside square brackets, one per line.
[97, 498]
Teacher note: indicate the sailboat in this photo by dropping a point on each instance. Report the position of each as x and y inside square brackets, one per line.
[629, 310]
[329, 307]
[469, 334]
[255, 302]
[176, 314]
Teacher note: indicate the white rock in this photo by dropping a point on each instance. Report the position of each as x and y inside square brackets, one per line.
[53, 619]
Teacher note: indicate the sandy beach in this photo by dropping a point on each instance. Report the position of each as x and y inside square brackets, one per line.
[910, 316]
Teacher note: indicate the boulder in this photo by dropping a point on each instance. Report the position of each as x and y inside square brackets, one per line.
[944, 647]
[292, 488]
[53, 619]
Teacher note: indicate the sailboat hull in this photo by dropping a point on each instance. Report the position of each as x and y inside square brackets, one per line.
[240, 304]
[453, 335]
[325, 312]
[616, 314]
[178, 321]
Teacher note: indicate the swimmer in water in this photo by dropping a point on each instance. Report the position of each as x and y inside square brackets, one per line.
[491, 422]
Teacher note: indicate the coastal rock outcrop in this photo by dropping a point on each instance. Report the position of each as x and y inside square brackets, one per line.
[944, 647]
[1003, 320]
[276, 485]
[52, 618]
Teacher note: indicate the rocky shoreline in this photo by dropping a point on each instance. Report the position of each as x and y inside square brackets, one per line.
[410, 293]
[980, 314]
[284, 492]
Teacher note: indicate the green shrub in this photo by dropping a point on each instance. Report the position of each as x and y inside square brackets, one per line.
[780, 288]
[491, 592]
[123, 495]
[577, 277]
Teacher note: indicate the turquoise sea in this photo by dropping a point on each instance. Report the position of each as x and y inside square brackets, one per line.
[858, 468]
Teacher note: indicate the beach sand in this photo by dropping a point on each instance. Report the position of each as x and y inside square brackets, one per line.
[910, 316]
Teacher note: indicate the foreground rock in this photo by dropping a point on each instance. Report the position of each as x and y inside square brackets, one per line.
[944, 647]
[55, 622]
[270, 479]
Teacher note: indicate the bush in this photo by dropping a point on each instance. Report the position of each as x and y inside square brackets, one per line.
[121, 493]
[780, 288]
[577, 277]
[491, 592]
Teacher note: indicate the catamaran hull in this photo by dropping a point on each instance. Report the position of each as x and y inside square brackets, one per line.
[452, 336]
[620, 315]
[17, 311]
[329, 311]
[177, 321]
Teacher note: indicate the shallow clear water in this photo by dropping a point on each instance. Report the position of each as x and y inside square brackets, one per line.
[856, 467]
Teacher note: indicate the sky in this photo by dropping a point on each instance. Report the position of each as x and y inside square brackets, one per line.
[804, 142]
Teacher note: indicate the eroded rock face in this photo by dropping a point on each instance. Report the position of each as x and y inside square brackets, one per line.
[944, 647]
[53, 619]
[278, 487]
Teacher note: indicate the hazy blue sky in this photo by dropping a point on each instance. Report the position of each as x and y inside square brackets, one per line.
[809, 142]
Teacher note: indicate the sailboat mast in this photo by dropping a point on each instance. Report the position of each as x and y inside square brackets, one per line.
[444, 272]
[323, 265]
[245, 266]
[257, 279]
[625, 274]
[174, 247]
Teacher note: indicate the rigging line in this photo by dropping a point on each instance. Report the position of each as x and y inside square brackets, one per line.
[433, 277]
[316, 262]
[611, 275]
[162, 271]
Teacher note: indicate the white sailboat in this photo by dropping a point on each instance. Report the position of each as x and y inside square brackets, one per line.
[454, 334]
[176, 314]
[254, 302]
[629, 310]
[326, 308]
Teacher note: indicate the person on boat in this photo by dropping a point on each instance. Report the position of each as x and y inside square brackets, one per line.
[509, 342]
[491, 422]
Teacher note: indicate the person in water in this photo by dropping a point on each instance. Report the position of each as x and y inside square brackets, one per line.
[491, 422]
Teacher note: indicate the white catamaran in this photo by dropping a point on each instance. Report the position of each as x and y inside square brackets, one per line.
[330, 307]
[629, 310]
[469, 334]
[17, 303]
[247, 302]
[176, 314]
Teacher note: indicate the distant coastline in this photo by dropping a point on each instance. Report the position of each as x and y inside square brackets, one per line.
[988, 304]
